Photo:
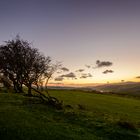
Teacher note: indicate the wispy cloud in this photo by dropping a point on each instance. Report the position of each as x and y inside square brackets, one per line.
[64, 69]
[69, 75]
[138, 77]
[88, 66]
[85, 75]
[59, 78]
[59, 72]
[108, 71]
[100, 64]
[80, 70]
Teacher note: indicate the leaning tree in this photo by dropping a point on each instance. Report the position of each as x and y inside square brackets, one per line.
[23, 64]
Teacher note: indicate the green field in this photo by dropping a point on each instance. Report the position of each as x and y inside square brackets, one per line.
[86, 116]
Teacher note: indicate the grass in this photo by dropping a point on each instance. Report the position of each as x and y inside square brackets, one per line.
[88, 117]
[108, 104]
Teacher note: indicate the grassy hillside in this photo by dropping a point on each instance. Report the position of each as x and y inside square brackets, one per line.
[86, 116]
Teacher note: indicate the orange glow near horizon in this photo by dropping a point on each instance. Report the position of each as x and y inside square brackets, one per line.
[125, 73]
[92, 81]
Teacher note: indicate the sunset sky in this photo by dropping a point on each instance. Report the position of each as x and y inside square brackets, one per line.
[78, 33]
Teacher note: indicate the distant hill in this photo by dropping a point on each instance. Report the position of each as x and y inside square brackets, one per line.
[61, 87]
[126, 87]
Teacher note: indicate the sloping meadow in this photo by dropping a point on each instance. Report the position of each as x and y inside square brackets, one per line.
[85, 116]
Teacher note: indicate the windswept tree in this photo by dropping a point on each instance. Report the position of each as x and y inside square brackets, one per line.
[35, 67]
[11, 65]
[23, 64]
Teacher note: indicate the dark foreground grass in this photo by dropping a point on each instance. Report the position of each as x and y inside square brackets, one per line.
[99, 117]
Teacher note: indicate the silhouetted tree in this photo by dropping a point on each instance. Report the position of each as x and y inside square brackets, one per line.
[22, 64]
[11, 62]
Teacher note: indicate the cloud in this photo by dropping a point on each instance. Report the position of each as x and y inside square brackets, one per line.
[53, 83]
[138, 77]
[64, 69]
[108, 71]
[80, 70]
[89, 75]
[85, 75]
[103, 63]
[59, 72]
[88, 66]
[69, 75]
[59, 78]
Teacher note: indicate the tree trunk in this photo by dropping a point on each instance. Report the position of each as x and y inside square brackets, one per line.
[20, 88]
[17, 87]
[46, 86]
[29, 90]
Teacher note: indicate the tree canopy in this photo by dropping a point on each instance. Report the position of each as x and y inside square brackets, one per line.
[23, 64]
